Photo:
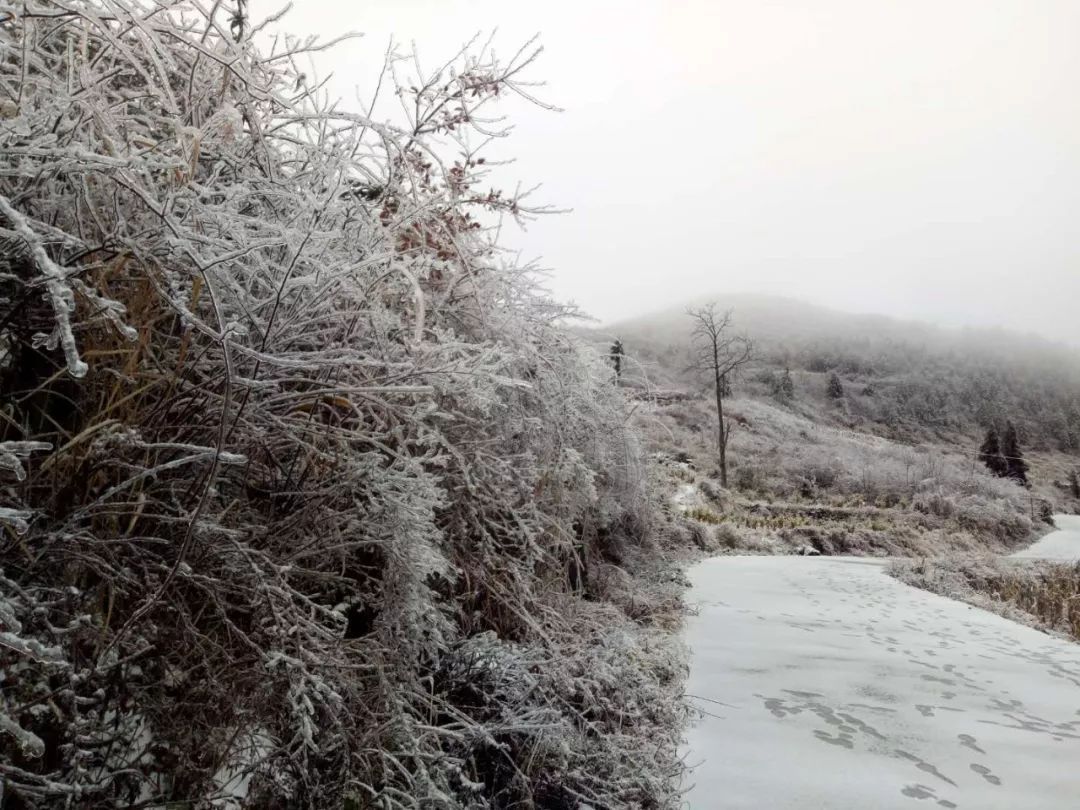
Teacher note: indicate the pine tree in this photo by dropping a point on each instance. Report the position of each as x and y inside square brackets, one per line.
[1074, 483]
[990, 454]
[1015, 466]
[616, 359]
[836, 388]
[784, 386]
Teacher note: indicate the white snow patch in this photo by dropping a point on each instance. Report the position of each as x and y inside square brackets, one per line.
[233, 779]
[684, 495]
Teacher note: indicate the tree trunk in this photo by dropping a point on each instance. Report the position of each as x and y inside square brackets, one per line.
[722, 435]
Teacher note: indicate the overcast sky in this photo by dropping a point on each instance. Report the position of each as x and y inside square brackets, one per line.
[916, 158]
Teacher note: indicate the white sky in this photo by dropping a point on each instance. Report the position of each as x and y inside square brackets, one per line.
[917, 158]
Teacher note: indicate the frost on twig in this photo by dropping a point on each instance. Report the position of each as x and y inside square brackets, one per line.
[12, 453]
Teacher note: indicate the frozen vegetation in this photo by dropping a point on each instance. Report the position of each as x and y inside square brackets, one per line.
[905, 380]
[797, 482]
[306, 498]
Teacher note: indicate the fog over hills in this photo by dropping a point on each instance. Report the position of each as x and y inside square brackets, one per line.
[909, 380]
[780, 318]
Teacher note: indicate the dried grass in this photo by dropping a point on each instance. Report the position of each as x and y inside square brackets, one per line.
[1042, 594]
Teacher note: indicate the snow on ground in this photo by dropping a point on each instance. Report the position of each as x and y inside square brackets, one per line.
[1063, 544]
[684, 495]
[827, 684]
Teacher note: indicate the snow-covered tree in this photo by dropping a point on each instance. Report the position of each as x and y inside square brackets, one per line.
[783, 387]
[835, 387]
[617, 352]
[1015, 466]
[990, 453]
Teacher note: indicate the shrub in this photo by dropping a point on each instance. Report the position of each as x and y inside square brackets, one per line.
[712, 492]
[699, 536]
[746, 478]
[302, 483]
[728, 536]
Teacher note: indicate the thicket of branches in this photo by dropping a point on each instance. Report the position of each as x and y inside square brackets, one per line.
[303, 493]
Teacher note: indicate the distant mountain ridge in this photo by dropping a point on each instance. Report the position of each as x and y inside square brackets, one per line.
[777, 318]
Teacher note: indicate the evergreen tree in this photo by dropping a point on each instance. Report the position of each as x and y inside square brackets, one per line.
[1015, 466]
[616, 358]
[836, 388]
[784, 386]
[1074, 483]
[990, 454]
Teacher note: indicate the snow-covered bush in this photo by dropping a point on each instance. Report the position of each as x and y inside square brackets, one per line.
[301, 480]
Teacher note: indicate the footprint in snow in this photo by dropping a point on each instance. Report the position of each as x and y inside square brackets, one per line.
[924, 766]
[843, 739]
[985, 773]
[925, 792]
[968, 741]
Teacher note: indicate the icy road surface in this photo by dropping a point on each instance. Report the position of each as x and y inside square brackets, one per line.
[828, 684]
[1063, 544]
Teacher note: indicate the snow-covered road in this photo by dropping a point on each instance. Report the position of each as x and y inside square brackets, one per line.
[1062, 544]
[828, 684]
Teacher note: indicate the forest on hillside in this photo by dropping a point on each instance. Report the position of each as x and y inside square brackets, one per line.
[907, 380]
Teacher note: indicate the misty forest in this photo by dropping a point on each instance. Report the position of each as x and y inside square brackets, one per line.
[313, 495]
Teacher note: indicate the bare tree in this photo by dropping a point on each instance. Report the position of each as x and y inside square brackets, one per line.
[719, 352]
